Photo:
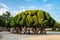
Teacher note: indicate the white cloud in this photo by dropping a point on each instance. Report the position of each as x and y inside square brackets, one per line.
[44, 0]
[4, 5]
[22, 10]
[3, 10]
[48, 5]
[22, 7]
[57, 17]
[50, 8]
[32, 7]
[14, 12]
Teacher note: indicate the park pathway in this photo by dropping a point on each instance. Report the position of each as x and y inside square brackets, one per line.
[9, 36]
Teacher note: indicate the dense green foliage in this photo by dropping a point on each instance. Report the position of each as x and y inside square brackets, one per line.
[33, 18]
[28, 18]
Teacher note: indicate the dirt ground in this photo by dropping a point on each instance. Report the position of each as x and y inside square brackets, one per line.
[10, 36]
[43, 37]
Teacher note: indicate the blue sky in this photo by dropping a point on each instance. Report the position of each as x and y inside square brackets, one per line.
[15, 6]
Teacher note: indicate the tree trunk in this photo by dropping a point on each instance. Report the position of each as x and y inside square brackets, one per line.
[58, 29]
[53, 28]
[42, 30]
[28, 29]
[16, 30]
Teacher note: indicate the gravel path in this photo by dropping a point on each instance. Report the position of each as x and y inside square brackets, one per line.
[10, 36]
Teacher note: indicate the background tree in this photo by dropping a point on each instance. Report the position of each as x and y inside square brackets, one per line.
[6, 16]
[1, 18]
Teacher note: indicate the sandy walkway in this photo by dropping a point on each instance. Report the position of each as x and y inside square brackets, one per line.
[10, 36]
[43, 37]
